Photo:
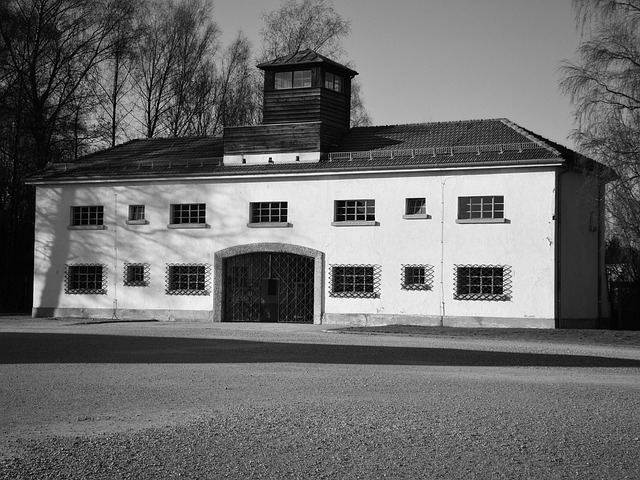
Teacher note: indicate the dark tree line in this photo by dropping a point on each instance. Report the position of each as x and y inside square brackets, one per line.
[80, 75]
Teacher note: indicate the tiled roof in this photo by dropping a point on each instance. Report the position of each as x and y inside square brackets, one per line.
[304, 58]
[436, 145]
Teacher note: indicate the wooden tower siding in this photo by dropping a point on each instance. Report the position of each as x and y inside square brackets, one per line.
[275, 138]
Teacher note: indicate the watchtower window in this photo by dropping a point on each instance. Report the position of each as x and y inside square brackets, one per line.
[295, 79]
[333, 82]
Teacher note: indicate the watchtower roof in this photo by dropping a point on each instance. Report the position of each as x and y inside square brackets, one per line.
[304, 58]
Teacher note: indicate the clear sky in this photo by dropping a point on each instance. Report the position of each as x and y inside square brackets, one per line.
[442, 60]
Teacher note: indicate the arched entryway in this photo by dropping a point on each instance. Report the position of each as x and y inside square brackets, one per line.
[268, 282]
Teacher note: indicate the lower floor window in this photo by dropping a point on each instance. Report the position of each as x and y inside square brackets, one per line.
[136, 274]
[356, 281]
[85, 279]
[417, 277]
[188, 279]
[482, 282]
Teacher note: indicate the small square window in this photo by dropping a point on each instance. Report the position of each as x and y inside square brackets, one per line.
[417, 277]
[136, 212]
[136, 274]
[416, 206]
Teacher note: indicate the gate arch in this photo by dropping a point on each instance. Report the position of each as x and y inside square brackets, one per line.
[222, 255]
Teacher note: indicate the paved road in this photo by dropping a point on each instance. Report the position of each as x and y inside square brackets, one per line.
[149, 400]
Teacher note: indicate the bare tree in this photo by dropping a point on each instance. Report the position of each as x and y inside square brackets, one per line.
[52, 46]
[604, 87]
[311, 24]
[112, 78]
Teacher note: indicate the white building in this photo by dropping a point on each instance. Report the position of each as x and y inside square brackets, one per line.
[301, 219]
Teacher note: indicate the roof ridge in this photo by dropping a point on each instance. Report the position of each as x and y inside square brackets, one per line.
[534, 138]
[442, 122]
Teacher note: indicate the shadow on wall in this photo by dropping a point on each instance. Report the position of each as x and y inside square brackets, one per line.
[28, 348]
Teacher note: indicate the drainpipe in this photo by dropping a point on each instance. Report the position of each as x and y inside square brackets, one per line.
[115, 266]
[558, 250]
[442, 210]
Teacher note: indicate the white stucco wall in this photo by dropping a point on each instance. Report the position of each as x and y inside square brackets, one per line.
[525, 243]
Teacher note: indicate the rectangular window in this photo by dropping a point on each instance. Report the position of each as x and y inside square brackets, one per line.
[416, 206]
[482, 282]
[188, 279]
[417, 277]
[355, 211]
[269, 212]
[85, 279]
[486, 207]
[355, 281]
[136, 274]
[188, 213]
[333, 82]
[87, 215]
[295, 79]
[136, 212]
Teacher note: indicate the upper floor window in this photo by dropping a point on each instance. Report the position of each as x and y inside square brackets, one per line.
[136, 215]
[268, 214]
[188, 214]
[361, 212]
[481, 208]
[333, 82]
[87, 216]
[295, 79]
[416, 208]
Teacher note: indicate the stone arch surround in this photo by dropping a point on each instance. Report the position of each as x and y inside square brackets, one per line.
[318, 269]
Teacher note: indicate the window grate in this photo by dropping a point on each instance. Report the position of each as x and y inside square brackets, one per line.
[355, 281]
[136, 274]
[482, 282]
[87, 215]
[185, 213]
[85, 279]
[188, 279]
[355, 210]
[416, 277]
[269, 212]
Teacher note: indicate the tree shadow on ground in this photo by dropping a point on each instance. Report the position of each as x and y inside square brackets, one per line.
[31, 348]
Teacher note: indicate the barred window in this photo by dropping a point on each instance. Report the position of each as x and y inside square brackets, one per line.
[417, 277]
[136, 212]
[416, 206]
[269, 212]
[333, 82]
[356, 281]
[87, 215]
[188, 213]
[480, 207]
[355, 210]
[85, 279]
[136, 274]
[482, 282]
[187, 279]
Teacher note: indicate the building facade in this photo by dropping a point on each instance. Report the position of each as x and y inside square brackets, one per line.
[302, 219]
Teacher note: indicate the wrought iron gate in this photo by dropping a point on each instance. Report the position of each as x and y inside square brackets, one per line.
[268, 287]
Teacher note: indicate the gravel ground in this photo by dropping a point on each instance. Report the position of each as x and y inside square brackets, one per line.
[152, 400]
